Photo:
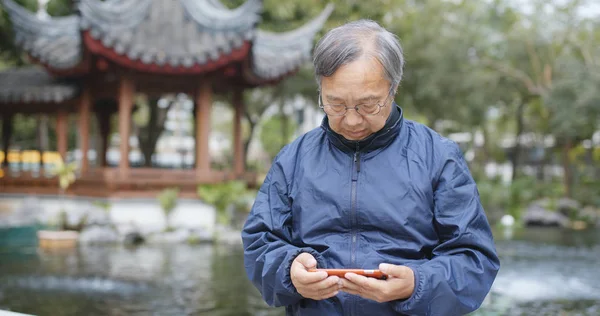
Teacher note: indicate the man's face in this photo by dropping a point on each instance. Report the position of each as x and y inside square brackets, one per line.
[359, 82]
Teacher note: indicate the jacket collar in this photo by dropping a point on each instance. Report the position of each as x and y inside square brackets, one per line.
[375, 141]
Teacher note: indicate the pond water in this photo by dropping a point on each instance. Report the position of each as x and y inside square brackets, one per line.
[544, 272]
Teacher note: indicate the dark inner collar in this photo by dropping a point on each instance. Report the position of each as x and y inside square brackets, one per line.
[373, 141]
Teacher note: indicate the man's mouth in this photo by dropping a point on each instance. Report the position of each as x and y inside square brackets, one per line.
[355, 134]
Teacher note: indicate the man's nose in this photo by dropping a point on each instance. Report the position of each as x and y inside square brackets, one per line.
[353, 118]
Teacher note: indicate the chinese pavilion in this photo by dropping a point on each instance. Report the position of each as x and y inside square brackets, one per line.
[110, 50]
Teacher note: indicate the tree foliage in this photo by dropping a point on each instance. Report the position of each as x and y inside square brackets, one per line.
[271, 136]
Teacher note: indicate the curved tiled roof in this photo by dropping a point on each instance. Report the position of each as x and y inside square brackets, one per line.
[34, 85]
[275, 54]
[55, 42]
[195, 32]
[180, 34]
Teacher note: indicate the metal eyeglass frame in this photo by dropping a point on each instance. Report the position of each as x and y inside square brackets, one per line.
[355, 107]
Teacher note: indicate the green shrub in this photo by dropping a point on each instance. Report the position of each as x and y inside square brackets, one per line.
[494, 197]
[500, 198]
[225, 195]
[588, 193]
[105, 205]
[168, 200]
[65, 174]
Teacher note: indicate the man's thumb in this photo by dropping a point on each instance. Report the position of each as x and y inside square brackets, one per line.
[307, 260]
[395, 270]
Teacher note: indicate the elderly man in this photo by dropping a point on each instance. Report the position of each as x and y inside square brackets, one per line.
[368, 189]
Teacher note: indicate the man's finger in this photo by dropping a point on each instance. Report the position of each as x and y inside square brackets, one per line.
[331, 289]
[306, 277]
[328, 282]
[328, 294]
[348, 285]
[397, 271]
[357, 279]
[307, 260]
[367, 284]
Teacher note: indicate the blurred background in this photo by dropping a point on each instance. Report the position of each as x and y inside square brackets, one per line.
[209, 91]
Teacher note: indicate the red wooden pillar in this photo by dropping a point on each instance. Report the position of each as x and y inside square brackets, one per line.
[126, 94]
[85, 105]
[61, 133]
[203, 112]
[238, 145]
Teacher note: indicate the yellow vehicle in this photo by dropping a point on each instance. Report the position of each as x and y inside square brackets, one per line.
[52, 157]
[29, 160]
[13, 157]
[30, 156]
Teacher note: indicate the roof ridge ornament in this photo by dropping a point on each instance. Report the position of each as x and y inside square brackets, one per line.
[305, 32]
[54, 41]
[276, 54]
[212, 15]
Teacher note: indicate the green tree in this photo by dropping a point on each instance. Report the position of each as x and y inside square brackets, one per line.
[149, 120]
[533, 52]
[10, 54]
[271, 138]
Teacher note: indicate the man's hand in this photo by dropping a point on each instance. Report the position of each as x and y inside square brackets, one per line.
[400, 284]
[313, 285]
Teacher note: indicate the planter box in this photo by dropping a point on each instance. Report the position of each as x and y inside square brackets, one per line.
[57, 239]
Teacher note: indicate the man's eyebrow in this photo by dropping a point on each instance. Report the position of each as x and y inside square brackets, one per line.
[370, 97]
[330, 97]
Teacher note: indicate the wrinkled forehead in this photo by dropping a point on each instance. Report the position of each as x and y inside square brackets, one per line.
[359, 80]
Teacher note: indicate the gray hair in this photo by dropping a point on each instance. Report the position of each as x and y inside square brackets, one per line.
[347, 43]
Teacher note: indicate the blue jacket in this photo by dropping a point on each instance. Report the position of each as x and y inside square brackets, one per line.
[403, 196]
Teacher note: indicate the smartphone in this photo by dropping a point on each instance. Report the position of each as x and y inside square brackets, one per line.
[341, 272]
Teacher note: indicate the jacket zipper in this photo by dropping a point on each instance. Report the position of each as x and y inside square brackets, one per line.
[353, 206]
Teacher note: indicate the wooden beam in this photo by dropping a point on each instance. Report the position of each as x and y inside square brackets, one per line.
[85, 106]
[238, 144]
[61, 133]
[203, 112]
[39, 107]
[126, 94]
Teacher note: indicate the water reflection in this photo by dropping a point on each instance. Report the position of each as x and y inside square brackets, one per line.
[544, 272]
[177, 280]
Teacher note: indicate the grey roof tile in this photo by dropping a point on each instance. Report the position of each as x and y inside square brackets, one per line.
[173, 32]
[54, 41]
[33, 84]
[181, 29]
[276, 54]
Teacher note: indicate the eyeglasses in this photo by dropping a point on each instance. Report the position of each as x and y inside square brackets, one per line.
[362, 109]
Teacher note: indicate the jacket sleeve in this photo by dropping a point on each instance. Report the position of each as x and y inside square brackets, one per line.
[464, 264]
[266, 236]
